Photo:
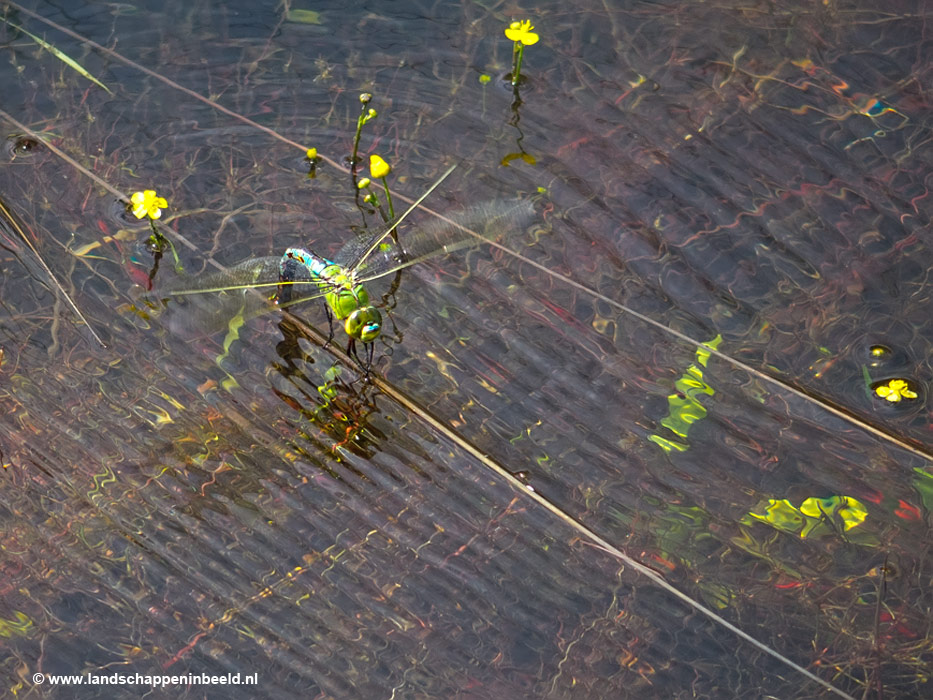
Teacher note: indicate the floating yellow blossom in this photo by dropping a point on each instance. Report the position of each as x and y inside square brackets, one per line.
[521, 31]
[148, 203]
[895, 390]
[378, 167]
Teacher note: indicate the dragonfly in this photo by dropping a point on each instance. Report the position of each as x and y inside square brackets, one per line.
[301, 275]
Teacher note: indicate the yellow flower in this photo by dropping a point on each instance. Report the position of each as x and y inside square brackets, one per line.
[148, 203]
[895, 390]
[521, 31]
[378, 167]
[311, 154]
[364, 183]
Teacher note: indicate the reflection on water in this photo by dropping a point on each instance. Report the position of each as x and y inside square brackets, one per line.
[221, 493]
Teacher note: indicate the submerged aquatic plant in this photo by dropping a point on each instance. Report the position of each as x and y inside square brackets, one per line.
[311, 158]
[685, 407]
[147, 204]
[521, 34]
[813, 518]
[60, 55]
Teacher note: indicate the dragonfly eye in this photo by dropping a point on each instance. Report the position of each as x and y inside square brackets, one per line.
[364, 324]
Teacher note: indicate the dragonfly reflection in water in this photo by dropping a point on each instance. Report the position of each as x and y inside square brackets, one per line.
[301, 275]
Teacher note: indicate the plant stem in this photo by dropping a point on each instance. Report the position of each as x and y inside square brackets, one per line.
[356, 141]
[388, 199]
[159, 242]
[517, 53]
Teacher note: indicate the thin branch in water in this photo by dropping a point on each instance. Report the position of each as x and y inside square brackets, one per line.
[11, 221]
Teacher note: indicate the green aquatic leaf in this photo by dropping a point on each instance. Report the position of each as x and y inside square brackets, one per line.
[667, 445]
[849, 510]
[303, 16]
[815, 517]
[703, 354]
[867, 379]
[527, 157]
[923, 482]
[19, 625]
[781, 515]
[684, 409]
[60, 55]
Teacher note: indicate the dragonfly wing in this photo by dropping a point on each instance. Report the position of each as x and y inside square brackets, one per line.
[200, 315]
[207, 304]
[249, 273]
[482, 222]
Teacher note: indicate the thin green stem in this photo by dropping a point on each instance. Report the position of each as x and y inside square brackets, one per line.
[356, 141]
[159, 242]
[517, 53]
[388, 198]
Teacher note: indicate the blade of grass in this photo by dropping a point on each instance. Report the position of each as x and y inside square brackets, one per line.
[60, 55]
[8, 219]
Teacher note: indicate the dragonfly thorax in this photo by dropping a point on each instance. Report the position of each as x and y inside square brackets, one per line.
[347, 300]
[344, 300]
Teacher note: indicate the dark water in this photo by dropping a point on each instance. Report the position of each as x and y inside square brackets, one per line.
[194, 499]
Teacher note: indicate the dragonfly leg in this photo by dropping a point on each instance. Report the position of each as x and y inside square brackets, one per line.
[370, 349]
[330, 324]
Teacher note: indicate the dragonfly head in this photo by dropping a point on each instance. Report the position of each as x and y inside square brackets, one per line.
[364, 324]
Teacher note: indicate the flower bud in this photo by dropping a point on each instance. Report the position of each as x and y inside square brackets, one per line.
[378, 168]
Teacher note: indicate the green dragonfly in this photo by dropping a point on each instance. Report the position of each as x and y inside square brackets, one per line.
[301, 275]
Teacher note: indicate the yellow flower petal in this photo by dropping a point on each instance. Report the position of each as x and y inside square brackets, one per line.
[147, 203]
[521, 31]
[895, 390]
[378, 167]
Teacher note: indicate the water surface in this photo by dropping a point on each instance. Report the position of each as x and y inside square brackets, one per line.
[196, 499]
